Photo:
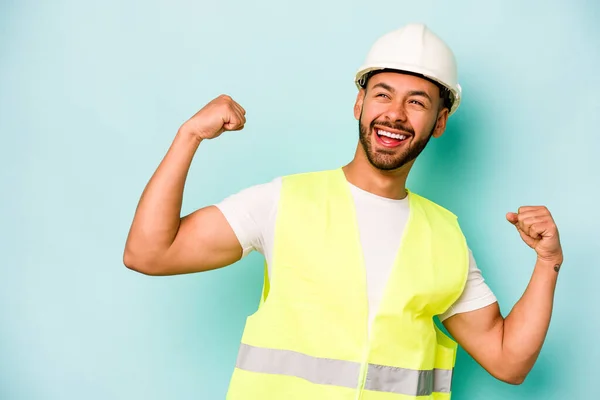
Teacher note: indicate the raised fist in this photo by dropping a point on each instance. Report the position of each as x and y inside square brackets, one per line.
[220, 115]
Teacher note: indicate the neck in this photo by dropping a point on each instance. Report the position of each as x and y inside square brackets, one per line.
[389, 184]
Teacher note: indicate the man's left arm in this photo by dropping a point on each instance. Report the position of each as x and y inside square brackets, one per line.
[508, 347]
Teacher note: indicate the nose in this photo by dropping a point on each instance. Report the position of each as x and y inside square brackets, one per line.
[396, 112]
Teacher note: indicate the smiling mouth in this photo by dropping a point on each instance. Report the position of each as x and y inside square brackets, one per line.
[390, 139]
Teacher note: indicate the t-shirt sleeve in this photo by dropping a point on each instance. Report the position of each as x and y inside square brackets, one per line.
[249, 211]
[476, 293]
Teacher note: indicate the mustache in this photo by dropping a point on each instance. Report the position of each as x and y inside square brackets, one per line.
[398, 126]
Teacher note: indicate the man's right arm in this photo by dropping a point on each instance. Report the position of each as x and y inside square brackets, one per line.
[160, 242]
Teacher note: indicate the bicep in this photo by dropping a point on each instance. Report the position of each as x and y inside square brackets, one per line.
[219, 235]
[475, 321]
[480, 333]
[205, 241]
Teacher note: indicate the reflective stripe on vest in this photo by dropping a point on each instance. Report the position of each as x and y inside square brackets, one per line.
[326, 371]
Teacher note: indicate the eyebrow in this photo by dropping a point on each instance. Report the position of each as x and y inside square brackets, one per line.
[385, 86]
[419, 93]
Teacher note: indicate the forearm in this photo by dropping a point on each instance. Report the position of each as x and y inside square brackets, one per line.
[526, 326]
[158, 214]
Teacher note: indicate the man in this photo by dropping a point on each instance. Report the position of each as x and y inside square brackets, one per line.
[358, 265]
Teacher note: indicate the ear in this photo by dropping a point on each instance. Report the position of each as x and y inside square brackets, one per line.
[360, 98]
[440, 124]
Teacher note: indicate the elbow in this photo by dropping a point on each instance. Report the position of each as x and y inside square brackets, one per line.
[512, 377]
[139, 264]
[515, 379]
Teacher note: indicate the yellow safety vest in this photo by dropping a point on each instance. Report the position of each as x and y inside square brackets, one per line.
[310, 340]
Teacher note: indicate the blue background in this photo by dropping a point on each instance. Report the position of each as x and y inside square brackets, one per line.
[92, 93]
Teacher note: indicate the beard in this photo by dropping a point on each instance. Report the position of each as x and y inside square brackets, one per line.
[391, 159]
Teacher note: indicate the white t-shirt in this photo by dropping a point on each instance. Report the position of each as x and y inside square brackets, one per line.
[252, 213]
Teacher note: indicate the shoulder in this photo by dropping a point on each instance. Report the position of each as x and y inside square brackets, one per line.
[253, 203]
[431, 206]
[258, 191]
[313, 177]
[309, 185]
[250, 212]
[268, 193]
[476, 293]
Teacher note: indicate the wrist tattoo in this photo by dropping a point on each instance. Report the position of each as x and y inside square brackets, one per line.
[557, 267]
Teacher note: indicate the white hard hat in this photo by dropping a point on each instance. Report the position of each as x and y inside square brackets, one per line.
[414, 48]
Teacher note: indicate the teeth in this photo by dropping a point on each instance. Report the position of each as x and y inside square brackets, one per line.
[390, 135]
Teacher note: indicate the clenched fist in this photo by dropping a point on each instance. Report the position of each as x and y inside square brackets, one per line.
[538, 230]
[220, 115]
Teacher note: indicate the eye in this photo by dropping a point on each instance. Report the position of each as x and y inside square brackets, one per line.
[382, 95]
[416, 102]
